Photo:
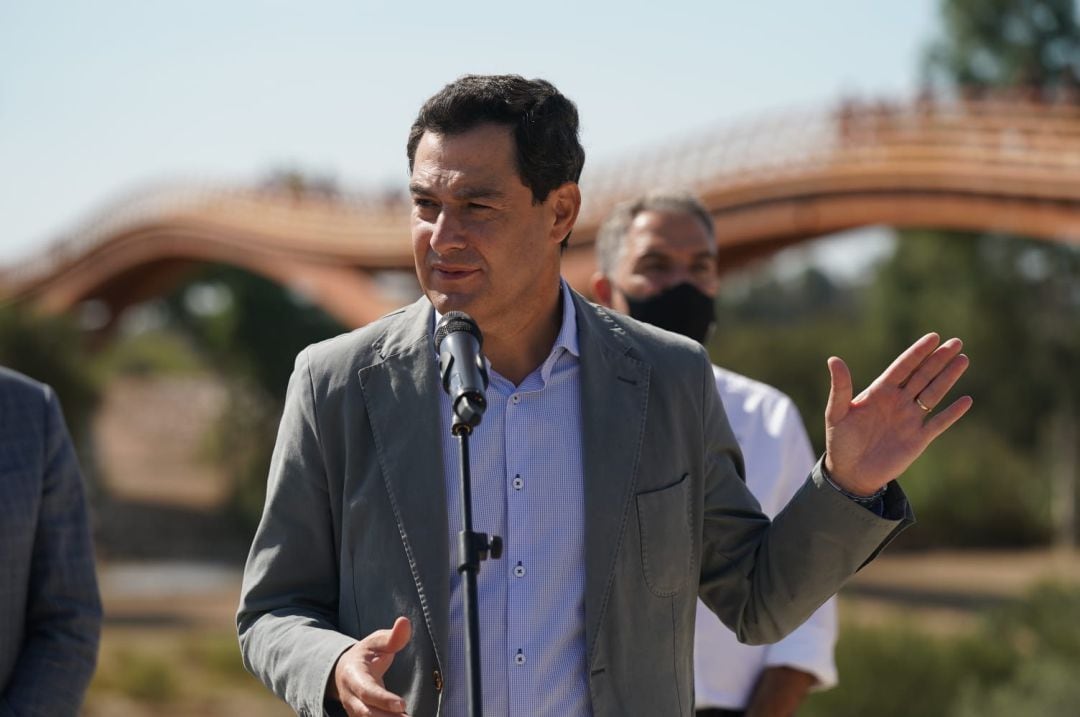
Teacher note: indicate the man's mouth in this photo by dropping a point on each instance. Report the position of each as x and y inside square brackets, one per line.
[453, 272]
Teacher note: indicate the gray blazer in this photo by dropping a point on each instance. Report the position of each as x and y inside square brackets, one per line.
[50, 615]
[354, 531]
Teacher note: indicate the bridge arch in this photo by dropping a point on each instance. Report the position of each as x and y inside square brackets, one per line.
[133, 256]
[993, 164]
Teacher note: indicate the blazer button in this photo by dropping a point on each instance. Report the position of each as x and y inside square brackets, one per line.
[437, 680]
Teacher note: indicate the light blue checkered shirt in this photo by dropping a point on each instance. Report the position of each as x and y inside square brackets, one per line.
[528, 487]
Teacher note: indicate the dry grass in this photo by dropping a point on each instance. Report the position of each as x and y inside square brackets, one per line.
[166, 671]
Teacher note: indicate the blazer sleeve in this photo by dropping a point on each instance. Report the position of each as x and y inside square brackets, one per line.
[764, 579]
[810, 647]
[63, 611]
[287, 619]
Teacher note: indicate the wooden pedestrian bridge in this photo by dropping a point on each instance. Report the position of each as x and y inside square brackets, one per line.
[1008, 165]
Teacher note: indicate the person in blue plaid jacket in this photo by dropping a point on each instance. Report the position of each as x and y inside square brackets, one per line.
[50, 611]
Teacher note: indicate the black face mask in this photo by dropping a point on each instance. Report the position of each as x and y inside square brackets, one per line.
[683, 309]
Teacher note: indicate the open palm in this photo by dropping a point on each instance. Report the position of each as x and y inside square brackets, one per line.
[872, 438]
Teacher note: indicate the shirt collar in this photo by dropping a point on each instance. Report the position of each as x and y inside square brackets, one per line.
[567, 339]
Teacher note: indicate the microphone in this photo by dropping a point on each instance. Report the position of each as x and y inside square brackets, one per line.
[461, 366]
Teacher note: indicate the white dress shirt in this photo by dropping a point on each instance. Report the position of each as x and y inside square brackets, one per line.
[778, 458]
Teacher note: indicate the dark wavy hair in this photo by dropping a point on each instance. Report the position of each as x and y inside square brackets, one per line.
[543, 120]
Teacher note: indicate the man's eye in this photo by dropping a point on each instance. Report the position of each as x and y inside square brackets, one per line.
[425, 207]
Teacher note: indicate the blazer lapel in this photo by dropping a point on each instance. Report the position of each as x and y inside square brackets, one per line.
[401, 395]
[614, 399]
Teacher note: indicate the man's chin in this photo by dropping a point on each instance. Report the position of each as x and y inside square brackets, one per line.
[444, 302]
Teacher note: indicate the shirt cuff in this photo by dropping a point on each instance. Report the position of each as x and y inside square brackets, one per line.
[875, 502]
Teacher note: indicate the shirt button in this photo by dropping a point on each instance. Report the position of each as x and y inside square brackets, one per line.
[519, 571]
[518, 482]
[515, 398]
[519, 658]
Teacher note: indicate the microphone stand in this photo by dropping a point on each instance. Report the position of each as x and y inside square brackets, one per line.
[472, 548]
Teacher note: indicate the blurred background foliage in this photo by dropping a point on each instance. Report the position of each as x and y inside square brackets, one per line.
[1021, 660]
[53, 350]
[252, 339]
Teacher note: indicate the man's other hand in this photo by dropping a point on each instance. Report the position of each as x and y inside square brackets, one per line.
[873, 438]
[357, 681]
[780, 691]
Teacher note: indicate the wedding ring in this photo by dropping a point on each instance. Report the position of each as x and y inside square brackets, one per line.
[922, 405]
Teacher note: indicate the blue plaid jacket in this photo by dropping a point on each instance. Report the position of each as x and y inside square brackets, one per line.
[50, 613]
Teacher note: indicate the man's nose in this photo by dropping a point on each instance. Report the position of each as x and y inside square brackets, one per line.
[678, 275]
[448, 233]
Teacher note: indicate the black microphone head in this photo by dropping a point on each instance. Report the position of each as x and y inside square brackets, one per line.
[453, 322]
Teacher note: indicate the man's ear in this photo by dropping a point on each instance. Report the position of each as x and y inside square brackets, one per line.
[566, 203]
[601, 289]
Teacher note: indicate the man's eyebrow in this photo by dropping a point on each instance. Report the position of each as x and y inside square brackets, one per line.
[479, 193]
[654, 254]
[464, 194]
[658, 254]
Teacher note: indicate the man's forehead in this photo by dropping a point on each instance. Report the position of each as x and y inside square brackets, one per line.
[668, 233]
[478, 161]
[489, 142]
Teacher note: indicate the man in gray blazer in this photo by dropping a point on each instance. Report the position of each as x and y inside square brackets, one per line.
[605, 461]
[50, 614]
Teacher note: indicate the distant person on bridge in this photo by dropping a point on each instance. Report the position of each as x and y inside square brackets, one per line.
[656, 261]
[50, 612]
[605, 461]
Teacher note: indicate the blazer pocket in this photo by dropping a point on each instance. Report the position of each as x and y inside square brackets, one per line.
[664, 525]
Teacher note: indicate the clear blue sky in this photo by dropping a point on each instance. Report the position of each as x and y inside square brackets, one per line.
[100, 97]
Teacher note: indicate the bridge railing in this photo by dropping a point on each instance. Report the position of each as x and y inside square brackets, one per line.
[770, 144]
[849, 136]
[164, 200]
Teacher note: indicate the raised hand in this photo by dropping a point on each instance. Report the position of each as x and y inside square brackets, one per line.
[873, 438]
[358, 675]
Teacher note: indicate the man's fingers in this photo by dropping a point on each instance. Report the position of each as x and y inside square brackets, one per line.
[932, 367]
[358, 675]
[906, 363]
[400, 634]
[376, 698]
[392, 640]
[935, 391]
[941, 421]
[354, 707]
[839, 391]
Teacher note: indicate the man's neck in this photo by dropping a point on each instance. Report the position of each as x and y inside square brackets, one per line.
[519, 349]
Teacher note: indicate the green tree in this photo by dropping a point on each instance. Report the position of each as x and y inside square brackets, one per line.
[1015, 303]
[51, 349]
[253, 341]
[988, 44]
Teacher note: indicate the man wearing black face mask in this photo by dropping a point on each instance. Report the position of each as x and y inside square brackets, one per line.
[656, 257]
